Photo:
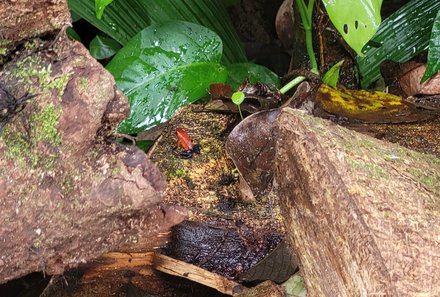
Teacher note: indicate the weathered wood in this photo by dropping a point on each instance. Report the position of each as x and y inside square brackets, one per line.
[362, 215]
[118, 261]
[182, 269]
[68, 191]
[23, 19]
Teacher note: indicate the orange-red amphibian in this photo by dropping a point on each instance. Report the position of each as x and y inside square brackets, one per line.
[183, 139]
[188, 148]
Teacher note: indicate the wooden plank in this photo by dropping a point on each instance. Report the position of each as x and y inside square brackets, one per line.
[119, 261]
[179, 268]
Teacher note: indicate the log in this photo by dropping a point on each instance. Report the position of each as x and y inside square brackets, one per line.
[115, 261]
[68, 191]
[179, 268]
[23, 20]
[362, 215]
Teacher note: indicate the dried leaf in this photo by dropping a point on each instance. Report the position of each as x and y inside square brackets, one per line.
[370, 107]
[410, 82]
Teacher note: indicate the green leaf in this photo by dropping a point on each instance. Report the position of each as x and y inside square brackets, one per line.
[144, 145]
[163, 68]
[228, 3]
[402, 35]
[331, 77]
[100, 5]
[238, 72]
[294, 286]
[75, 17]
[102, 47]
[72, 34]
[122, 19]
[238, 97]
[356, 21]
[125, 18]
[433, 65]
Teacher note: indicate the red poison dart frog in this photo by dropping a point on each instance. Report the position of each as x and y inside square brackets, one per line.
[188, 148]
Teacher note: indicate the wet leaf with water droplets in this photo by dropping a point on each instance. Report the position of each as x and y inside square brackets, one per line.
[433, 65]
[402, 35]
[163, 68]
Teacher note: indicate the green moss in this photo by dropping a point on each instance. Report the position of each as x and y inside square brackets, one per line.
[369, 168]
[3, 51]
[178, 172]
[45, 125]
[17, 146]
[429, 179]
[23, 147]
[32, 44]
[83, 85]
[30, 68]
[116, 170]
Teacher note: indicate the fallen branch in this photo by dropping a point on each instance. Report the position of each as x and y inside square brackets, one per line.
[196, 274]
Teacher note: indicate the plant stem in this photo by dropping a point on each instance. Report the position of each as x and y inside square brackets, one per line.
[311, 53]
[239, 110]
[306, 19]
[291, 84]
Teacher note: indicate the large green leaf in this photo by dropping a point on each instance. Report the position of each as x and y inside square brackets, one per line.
[356, 21]
[122, 19]
[102, 47]
[434, 50]
[238, 72]
[100, 5]
[402, 35]
[163, 68]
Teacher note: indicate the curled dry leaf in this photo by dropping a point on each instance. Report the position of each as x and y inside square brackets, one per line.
[284, 24]
[410, 80]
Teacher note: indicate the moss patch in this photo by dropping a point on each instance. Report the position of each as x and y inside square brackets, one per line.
[35, 145]
[31, 69]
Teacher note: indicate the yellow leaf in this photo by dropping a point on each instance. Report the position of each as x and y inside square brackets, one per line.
[371, 107]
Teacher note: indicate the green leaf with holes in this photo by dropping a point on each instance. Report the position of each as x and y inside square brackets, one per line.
[163, 68]
[433, 65]
[357, 21]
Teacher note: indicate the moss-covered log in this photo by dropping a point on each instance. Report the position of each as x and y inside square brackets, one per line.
[362, 215]
[68, 193]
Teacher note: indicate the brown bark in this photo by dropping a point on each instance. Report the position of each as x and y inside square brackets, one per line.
[24, 19]
[362, 214]
[68, 193]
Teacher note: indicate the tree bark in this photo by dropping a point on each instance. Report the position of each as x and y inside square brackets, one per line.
[22, 20]
[68, 192]
[362, 215]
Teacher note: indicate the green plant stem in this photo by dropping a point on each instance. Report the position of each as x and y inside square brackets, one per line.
[306, 19]
[239, 110]
[291, 84]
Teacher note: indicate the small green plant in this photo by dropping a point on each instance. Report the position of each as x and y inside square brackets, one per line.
[356, 25]
[331, 77]
[238, 98]
[306, 20]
